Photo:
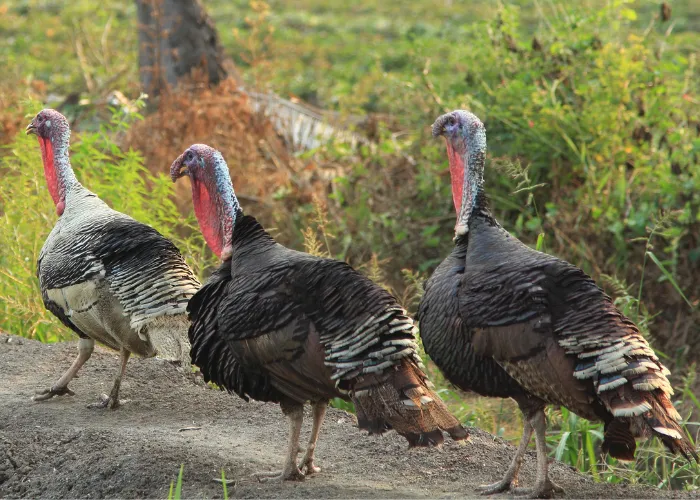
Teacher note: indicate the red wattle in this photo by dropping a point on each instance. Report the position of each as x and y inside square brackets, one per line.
[456, 175]
[50, 169]
[207, 216]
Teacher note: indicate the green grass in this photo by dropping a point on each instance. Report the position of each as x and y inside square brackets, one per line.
[175, 492]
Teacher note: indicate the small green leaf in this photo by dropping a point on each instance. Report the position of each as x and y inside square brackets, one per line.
[540, 242]
[561, 447]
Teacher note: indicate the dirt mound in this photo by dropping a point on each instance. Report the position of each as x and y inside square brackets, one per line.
[62, 449]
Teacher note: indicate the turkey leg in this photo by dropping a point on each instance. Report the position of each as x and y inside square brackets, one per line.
[307, 463]
[85, 348]
[544, 487]
[112, 401]
[291, 472]
[510, 480]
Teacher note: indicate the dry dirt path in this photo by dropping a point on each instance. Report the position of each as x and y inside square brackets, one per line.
[61, 449]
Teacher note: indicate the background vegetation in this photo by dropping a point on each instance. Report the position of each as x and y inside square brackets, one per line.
[593, 120]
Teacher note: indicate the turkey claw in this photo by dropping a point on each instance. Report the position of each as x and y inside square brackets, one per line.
[546, 490]
[307, 467]
[107, 402]
[45, 394]
[274, 477]
[500, 487]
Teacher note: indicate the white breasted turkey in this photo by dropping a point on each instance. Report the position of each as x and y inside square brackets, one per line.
[503, 320]
[106, 276]
[277, 325]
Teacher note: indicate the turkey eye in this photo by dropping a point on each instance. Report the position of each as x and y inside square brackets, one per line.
[40, 119]
[189, 156]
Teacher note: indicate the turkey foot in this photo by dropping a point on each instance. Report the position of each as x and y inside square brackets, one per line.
[510, 480]
[544, 487]
[44, 394]
[548, 489]
[308, 467]
[112, 401]
[293, 474]
[505, 484]
[60, 388]
[295, 414]
[307, 463]
[106, 401]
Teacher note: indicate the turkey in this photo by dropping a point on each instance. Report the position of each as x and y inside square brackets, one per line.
[106, 276]
[504, 320]
[278, 325]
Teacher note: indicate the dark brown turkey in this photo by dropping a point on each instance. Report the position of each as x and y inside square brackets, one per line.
[105, 275]
[504, 320]
[278, 325]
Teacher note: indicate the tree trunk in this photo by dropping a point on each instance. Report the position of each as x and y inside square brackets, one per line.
[176, 37]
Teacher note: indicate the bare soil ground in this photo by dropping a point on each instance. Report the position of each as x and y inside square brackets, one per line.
[60, 448]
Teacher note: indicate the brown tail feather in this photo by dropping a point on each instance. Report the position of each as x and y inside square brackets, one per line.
[668, 430]
[402, 400]
[619, 441]
[661, 419]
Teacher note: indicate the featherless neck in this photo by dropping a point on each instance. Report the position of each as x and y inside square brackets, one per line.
[224, 187]
[473, 198]
[228, 204]
[64, 170]
[480, 201]
[57, 170]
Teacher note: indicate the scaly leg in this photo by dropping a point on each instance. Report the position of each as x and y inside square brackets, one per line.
[112, 401]
[510, 479]
[85, 348]
[308, 461]
[544, 488]
[291, 472]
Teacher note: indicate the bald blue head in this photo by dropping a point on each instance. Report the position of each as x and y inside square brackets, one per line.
[465, 138]
[215, 202]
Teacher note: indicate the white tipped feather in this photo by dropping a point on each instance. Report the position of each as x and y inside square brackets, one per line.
[612, 384]
[633, 411]
[668, 432]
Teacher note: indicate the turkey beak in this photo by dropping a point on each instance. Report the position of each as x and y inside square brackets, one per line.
[438, 127]
[178, 168]
[31, 129]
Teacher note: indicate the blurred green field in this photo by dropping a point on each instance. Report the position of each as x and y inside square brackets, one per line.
[593, 119]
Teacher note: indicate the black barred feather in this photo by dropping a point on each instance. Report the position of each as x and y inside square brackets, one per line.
[562, 339]
[274, 324]
[145, 271]
[448, 341]
[104, 275]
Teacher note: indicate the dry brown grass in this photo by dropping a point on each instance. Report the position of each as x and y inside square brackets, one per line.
[258, 158]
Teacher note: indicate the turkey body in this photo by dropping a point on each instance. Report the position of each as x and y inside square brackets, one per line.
[104, 275]
[449, 342]
[557, 333]
[504, 320]
[114, 280]
[278, 325]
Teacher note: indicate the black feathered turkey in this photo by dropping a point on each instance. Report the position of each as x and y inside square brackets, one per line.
[504, 320]
[106, 276]
[278, 325]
